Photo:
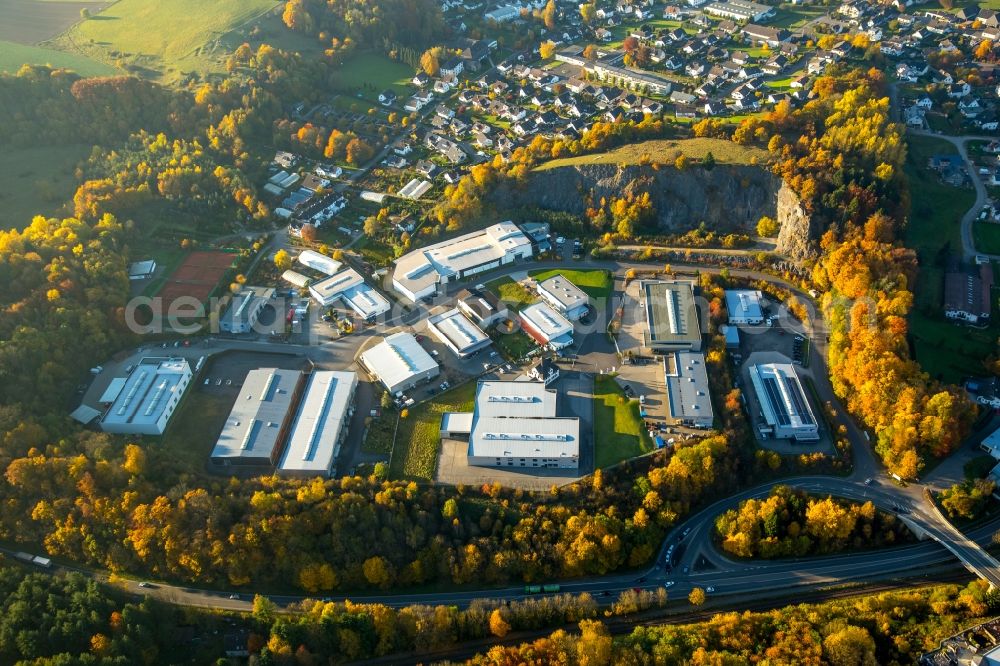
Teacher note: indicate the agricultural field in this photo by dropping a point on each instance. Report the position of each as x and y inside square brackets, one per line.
[619, 433]
[37, 181]
[724, 151]
[418, 439]
[30, 21]
[165, 40]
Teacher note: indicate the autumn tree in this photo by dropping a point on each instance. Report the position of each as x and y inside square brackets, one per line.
[767, 227]
[308, 232]
[282, 261]
[546, 50]
[696, 597]
[549, 14]
[587, 12]
[430, 61]
[499, 627]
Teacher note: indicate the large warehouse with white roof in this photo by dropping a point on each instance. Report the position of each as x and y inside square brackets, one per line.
[147, 398]
[321, 424]
[456, 332]
[745, 306]
[671, 316]
[418, 274]
[259, 420]
[350, 288]
[319, 262]
[399, 362]
[688, 399]
[514, 424]
[785, 405]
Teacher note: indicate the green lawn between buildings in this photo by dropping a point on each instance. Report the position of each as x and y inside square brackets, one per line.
[619, 432]
[987, 237]
[418, 440]
[595, 283]
[512, 293]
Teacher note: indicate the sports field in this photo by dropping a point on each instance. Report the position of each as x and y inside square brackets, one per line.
[32, 21]
[195, 277]
[165, 39]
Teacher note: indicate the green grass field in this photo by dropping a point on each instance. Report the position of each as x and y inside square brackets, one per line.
[512, 293]
[418, 440]
[13, 56]
[186, 445]
[663, 150]
[987, 237]
[934, 231]
[514, 346]
[37, 181]
[792, 16]
[618, 429]
[375, 70]
[163, 39]
[595, 283]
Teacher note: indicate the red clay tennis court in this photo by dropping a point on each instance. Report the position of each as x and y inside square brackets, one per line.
[196, 276]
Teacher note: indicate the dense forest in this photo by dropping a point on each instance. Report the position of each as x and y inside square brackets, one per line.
[889, 628]
[790, 523]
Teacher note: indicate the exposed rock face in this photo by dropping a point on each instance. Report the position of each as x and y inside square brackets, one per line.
[727, 198]
[798, 229]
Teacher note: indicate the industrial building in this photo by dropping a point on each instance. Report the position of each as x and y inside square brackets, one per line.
[457, 333]
[319, 262]
[482, 307]
[671, 316]
[143, 402]
[565, 297]
[295, 279]
[321, 424]
[740, 10]
[967, 295]
[786, 409]
[514, 424]
[351, 289]
[546, 326]
[418, 274]
[259, 420]
[244, 309]
[400, 363]
[745, 307]
[688, 399]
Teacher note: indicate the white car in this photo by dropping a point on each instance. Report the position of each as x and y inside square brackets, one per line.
[710, 589]
[560, 240]
[668, 583]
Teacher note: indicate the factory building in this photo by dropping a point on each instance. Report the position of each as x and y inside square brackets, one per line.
[400, 363]
[143, 402]
[745, 307]
[671, 316]
[787, 413]
[546, 326]
[244, 309]
[321, 424]
[688, 399]
[565, 297]
[457, 333]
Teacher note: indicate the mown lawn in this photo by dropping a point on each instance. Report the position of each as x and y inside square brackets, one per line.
[514, 346]
[168, 39]
[619, 432]
[987, 237]
[934, 231]
[37, 181]
[418, 439]
[512, 293]
[595, 283]
[664, 150]
[189, 439]
[374, 70]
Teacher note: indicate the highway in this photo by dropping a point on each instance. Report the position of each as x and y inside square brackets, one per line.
[699, 565]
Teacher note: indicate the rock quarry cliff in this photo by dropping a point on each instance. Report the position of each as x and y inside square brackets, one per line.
[726, 198]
